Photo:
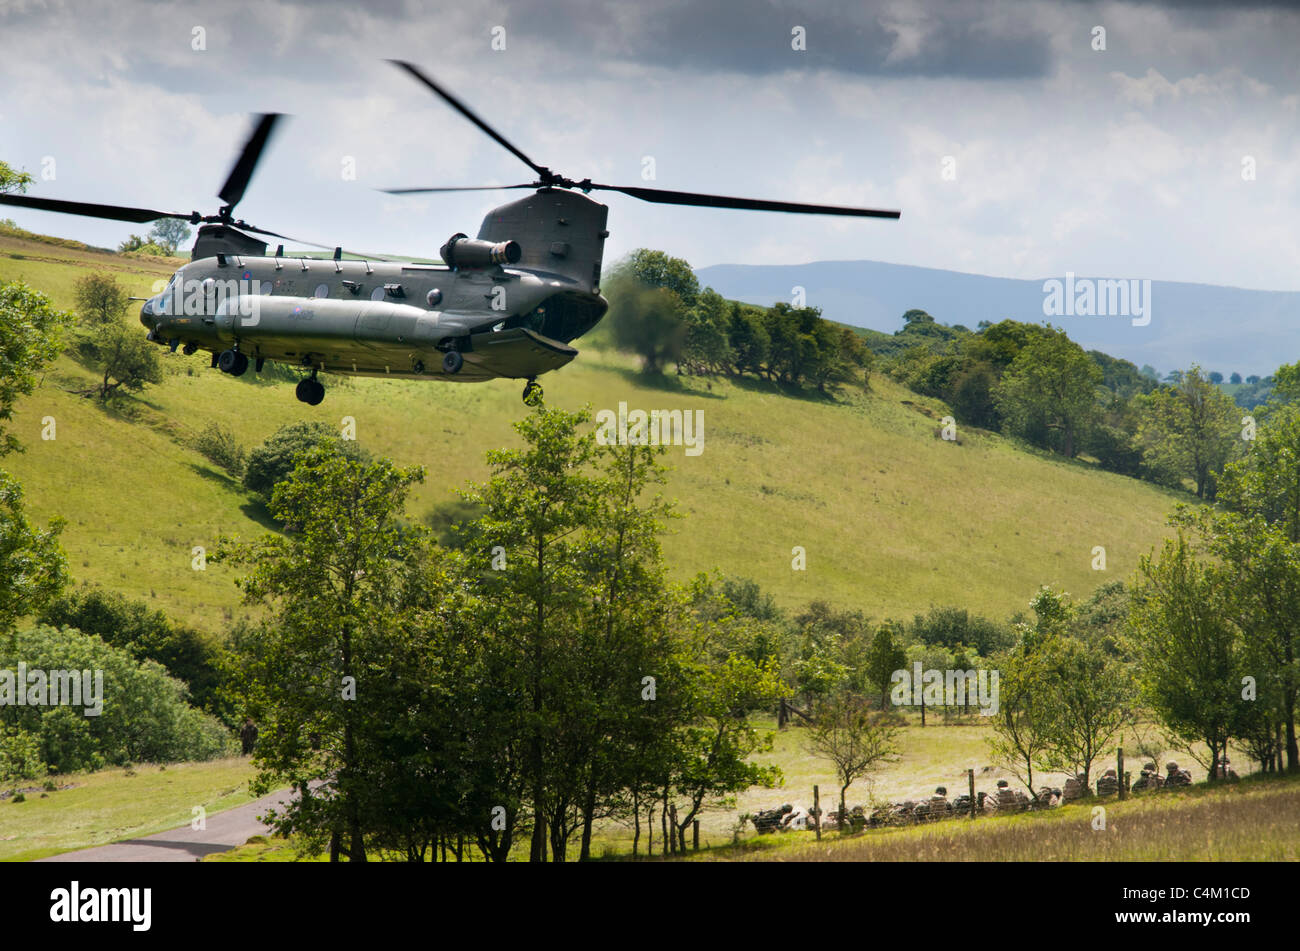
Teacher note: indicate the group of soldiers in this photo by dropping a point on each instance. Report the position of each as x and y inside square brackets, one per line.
[1005, 799]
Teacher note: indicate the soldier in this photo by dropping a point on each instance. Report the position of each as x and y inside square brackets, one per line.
[1076, 787]
[939, 808]
[1176, 776]
[1108, 783]
[248, 736]
[1226, 771]
[1009, 800]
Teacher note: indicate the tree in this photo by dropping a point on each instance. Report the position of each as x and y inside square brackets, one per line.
[1235, 378]
[1190, 428]
[855, 739]
[100, 300]
[169, 233]
[138, 245]
[646, 320]
[143, 714]
[271, 463]
[883, 658]
[1191, 654]
[1262, 546]
[12, 180]
[146, 634]
[1091, 697]
[30, 338]
[124, 360]
[1023, 723]
[1050, 388]
[323, 668]
[536, 504]
[33, 569]
[657, 269]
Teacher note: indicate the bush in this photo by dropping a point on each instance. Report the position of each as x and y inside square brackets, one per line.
[217, 444]
[270, 463]
[144, 717]
[20, 755]
[146, 634]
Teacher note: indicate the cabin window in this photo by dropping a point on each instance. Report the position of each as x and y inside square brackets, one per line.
[322, 290]
[377, 294]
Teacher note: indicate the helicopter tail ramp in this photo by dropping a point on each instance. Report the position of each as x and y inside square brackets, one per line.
[557, 230]
[519, 354]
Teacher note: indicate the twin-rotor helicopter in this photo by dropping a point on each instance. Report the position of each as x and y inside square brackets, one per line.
[507, 303]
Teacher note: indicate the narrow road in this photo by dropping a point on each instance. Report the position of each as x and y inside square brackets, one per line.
[224, 831]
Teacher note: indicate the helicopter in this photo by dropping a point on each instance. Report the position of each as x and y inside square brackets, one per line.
[506, 303]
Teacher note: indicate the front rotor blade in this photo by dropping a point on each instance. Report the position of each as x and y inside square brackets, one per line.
[470, 115]
[466, 188]
[90, 210]
[237, 182]
[665, 197]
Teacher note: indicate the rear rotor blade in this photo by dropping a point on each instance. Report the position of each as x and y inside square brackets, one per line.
[472, 117]
[90, 210]
[237, 182]
[665, 197]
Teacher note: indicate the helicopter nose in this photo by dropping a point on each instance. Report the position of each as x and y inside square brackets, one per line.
[147, 315]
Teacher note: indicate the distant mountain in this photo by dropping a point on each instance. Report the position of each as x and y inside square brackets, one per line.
[1221, 328]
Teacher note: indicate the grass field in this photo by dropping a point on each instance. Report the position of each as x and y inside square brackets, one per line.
[115, 804]
[893, 519]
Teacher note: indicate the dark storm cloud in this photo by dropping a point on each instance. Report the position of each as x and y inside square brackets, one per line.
[755, 38]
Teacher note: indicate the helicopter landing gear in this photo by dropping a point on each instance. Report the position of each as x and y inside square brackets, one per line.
[532, 393]
[310, 390]
[189, 348]
[232, 362]
[452, 361]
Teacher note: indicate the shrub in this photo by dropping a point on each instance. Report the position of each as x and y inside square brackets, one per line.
[145, 714]
[217, 444]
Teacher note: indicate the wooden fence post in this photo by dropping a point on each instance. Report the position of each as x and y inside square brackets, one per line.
[695, 832]
[817, 812]
[970, 775]
[1120, 772]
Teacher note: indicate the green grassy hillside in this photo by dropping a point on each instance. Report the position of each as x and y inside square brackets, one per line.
[893, 518]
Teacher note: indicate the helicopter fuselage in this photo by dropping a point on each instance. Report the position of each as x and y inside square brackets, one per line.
[375, 318]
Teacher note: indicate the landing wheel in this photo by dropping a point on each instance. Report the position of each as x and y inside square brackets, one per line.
[452, 361]
[232, 362]
[310, 391]
[189, 348]
[532, 393]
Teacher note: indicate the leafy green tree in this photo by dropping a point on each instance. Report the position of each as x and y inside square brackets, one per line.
[12, 180]
[100, 300]
[855, 739]
[147, 634]
[271, 463]
[646, 320]
[333, 588]
[751, 345]
[33, 569]
[1048, 393]
[1190, 428]
[124, 360]
[658, 269]
[537, 503]
[706, 348]
[169, 233]
[1022, 725]
[1192, 657]
[1091, 694]
[144, 716]
[884, 657]
[30, 339]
